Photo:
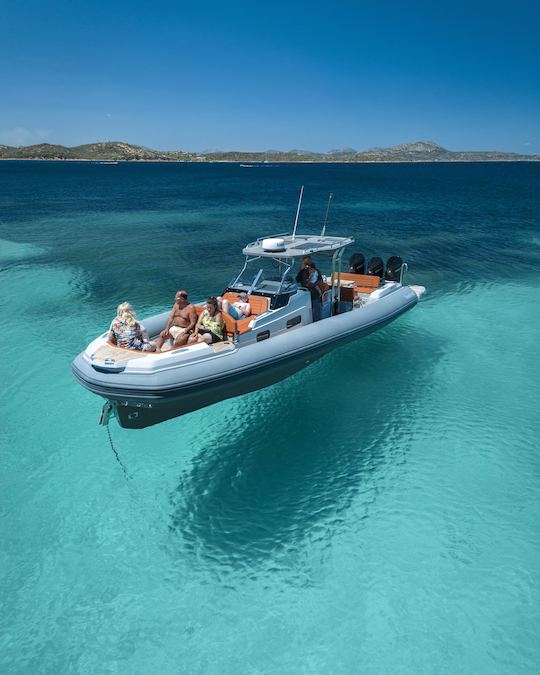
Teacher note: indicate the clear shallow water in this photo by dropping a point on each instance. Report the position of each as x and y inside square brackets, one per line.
[394, 530]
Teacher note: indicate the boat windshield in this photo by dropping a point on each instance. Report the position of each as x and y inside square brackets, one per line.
[265, 276]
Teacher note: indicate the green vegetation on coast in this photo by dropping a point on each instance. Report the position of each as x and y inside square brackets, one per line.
[421, 151]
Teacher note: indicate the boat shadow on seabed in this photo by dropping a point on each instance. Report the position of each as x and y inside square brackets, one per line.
[297, 454]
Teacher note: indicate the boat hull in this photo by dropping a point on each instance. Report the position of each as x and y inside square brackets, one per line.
[138, 405]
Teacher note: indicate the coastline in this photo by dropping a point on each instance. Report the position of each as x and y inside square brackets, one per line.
[118, 151]
[272, 162]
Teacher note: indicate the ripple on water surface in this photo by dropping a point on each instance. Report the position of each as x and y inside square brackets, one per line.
[385, 495]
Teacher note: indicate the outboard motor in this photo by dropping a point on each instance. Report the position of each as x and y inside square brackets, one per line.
[357, 264]
[393, 268]
[376, 267]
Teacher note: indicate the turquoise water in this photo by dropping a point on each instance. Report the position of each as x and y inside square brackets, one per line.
[375, 513]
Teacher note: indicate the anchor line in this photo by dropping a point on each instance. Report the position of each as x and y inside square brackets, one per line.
[126, 474]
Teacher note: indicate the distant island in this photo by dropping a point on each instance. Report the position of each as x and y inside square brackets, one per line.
[114, 151]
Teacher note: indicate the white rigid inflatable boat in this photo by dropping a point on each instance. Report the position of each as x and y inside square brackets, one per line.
[277, 340]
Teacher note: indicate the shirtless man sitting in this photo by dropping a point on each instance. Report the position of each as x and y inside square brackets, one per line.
[180, 323]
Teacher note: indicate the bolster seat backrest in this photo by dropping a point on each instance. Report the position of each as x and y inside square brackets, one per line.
[362, 280]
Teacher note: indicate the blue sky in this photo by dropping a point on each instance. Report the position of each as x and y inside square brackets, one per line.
[280, 75]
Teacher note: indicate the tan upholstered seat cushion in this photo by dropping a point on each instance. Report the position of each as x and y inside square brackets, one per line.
[363, 284]
[360, 280]
[259, 305]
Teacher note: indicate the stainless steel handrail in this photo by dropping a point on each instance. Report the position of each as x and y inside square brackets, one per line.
[404, 267]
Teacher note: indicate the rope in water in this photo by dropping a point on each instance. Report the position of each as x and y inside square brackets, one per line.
[126, 474]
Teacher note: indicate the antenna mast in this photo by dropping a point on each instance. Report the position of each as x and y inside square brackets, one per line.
[297, 212]
[326, 216]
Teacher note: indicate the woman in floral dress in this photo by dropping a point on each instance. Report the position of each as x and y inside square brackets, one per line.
[127, 332]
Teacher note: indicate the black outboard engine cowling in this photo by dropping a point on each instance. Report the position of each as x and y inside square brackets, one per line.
[376, 267]
[393, 268]
[357, 264]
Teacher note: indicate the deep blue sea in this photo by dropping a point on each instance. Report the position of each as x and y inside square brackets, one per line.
[377, 513]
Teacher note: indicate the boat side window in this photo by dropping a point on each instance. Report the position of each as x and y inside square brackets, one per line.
[294, 321]
[263, 335]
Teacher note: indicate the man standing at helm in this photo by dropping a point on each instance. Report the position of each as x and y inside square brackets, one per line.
[309, 277]
[180, 323]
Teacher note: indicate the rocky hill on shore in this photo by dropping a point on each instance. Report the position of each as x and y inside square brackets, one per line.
[420, 151]
[109, 151]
